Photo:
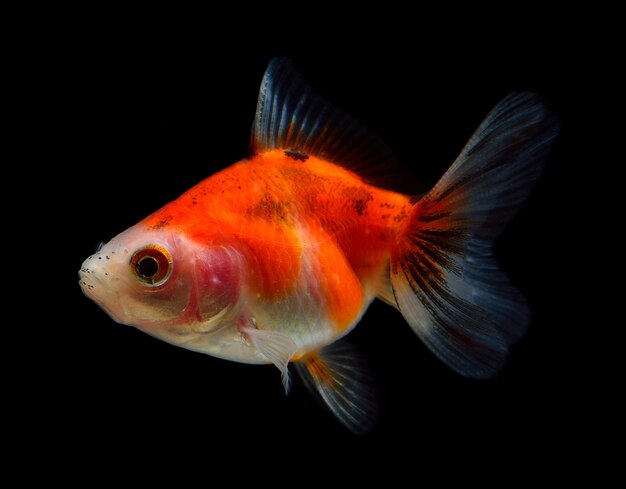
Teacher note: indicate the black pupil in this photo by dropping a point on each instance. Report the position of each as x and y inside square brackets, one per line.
[147, 267]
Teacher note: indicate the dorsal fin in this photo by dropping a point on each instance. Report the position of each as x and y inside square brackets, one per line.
[291, 116]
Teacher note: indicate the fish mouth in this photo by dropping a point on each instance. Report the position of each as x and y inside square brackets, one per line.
[89, 284]
[86, 282]
[89, 278]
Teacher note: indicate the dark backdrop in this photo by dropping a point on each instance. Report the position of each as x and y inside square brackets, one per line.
[136, 120]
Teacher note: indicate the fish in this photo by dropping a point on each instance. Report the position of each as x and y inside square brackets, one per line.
[276, 258]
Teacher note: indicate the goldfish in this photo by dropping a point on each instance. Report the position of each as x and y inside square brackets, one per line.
[276, 258]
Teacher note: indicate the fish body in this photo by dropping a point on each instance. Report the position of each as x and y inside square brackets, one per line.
[277, 257]
[293, 257]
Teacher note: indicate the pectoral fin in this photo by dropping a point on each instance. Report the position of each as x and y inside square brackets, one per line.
[277, 347]
[339, 376]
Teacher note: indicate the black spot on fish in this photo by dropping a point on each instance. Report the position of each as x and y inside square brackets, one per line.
[360, 206]
[401, 216]
[162, 223]
[270, 209]
[359, 197]
[296, 155]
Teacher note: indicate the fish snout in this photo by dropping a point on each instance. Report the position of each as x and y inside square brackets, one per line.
[91, 275]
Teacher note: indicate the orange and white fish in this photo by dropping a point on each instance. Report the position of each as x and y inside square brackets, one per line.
[276, 258]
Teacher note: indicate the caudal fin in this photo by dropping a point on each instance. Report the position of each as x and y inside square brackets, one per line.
[445, 279]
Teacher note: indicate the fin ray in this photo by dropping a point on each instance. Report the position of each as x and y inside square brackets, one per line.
[384, 290]
[445, 278]
[291, 116]
[338, 375]
[276, 347]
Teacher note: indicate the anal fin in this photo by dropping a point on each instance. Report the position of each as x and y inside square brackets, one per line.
[339, 376]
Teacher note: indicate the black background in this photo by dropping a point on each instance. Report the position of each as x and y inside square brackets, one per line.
[136, 119]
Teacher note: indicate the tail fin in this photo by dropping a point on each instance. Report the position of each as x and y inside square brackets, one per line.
[444, 275]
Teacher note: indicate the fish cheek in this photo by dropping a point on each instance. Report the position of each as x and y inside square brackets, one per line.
[164, 303]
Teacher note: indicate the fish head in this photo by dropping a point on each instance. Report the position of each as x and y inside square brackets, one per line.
[164, 283]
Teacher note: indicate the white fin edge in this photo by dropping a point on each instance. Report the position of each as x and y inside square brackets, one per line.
[277, 347]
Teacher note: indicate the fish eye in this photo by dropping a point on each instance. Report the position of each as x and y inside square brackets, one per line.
[151, 265]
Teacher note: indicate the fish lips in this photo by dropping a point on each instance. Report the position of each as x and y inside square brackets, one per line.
[91, 284]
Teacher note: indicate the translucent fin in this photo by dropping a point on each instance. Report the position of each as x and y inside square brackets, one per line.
[384, 290]
[276, 347]
[291, 116]
[339, 376]
[444, 274]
